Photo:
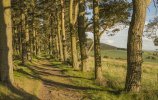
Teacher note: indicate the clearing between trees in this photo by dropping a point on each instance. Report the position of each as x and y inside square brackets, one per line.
[44, 79]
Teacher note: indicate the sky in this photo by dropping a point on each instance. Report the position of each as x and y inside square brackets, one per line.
[120, 39]
[151, 12]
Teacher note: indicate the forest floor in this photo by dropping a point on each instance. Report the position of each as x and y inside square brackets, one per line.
[46, 79]
[43, 79]
[56, 85]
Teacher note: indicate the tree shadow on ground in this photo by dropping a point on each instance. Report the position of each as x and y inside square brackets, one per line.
[49, 82]
[21, 94]
[45, 71]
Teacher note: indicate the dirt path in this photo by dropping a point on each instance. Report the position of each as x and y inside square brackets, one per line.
[56, 86]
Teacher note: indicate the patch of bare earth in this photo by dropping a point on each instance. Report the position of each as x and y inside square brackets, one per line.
[55, 85]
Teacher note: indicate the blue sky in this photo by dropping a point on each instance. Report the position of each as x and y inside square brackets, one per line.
[120, 39]
[151, 12]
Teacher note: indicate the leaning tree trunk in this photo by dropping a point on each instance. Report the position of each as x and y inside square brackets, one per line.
[134, 46]
[6, 63]
[97, 53]
[82, 35]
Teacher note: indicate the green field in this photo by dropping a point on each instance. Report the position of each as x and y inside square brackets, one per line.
[122, 55]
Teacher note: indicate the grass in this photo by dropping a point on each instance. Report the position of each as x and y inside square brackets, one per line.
[114, 71]
[122, 55]
[29, 84]
[25, 86]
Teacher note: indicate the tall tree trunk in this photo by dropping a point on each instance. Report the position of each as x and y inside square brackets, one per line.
[34, 41]
[74, 49]
[20, 38]
[82, 35]
[97, 53]
[37, 44]
[50, 38]
[54, 38]
[6, 61]
[73, 35]
[57, 46]
[25, 38]
[65, 53]
[59, 37]
[134, 46]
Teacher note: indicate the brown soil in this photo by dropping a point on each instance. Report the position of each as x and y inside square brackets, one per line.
[56, 86]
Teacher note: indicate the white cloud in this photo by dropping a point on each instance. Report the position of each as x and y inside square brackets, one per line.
[120, 40]
[110, 41]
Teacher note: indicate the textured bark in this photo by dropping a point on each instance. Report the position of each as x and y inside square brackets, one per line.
[59, 37]
[97, 53]
[51, 38]
[14, 32]
[34, 41]
[28, 40]
[50, 44]
[73, 34]
[25, 38]
[55, 45]
[6, 63]
[134, 46]
[20, 38]
[37, 44]
[74, 49]
[65, 52]
[82, 35]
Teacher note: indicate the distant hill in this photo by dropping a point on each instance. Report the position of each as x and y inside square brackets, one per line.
[105, 46]
[109, 47]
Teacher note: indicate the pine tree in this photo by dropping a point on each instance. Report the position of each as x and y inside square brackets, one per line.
[6, 61]
[134, 46]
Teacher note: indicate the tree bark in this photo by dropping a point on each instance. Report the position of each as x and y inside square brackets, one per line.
[82, 35]
[25, 38]
[73, 35]
[6, 61]
[59, 37]
[134, 46]
[97, 50]
[51, 38]
[65, 53]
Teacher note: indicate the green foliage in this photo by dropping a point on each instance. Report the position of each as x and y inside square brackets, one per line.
[112, 12]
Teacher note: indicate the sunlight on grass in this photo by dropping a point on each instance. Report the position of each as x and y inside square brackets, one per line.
[23, 81]
[114, 71]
